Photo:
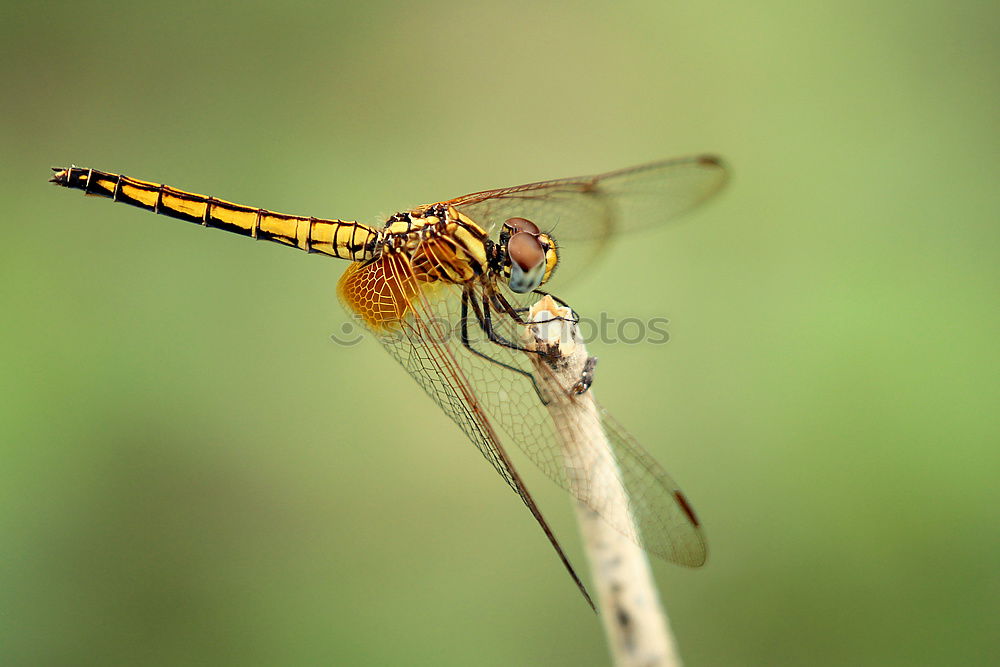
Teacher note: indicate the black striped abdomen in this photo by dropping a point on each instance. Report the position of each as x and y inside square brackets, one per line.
[336, 238]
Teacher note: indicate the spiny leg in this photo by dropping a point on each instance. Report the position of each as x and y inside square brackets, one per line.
[467, 343]
[486, 324]
[501, 303]
[587, 373]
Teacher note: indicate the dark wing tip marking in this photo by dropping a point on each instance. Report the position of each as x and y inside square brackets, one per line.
[683, 502]
[711, 161]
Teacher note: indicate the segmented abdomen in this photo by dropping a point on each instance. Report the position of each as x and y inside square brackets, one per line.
[336, 238]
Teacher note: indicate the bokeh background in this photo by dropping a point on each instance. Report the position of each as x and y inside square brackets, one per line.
[191, 472]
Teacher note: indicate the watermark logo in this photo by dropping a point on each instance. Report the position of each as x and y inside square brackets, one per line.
[604, 329]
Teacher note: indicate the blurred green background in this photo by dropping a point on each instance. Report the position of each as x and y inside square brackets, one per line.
[193, 473]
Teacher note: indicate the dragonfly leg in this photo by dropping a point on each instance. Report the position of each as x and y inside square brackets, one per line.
[486, 324]
[467, 343]
[513, 312]
[501, 303]
[587, 373]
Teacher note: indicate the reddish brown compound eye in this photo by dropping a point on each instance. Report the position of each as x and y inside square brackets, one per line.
[525, 251]
[527, 262]
[522, 225]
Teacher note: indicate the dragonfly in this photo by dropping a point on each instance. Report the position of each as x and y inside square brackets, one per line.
[444, 287]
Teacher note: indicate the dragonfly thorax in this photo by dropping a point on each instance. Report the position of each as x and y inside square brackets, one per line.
[439, 244]
[444, 244]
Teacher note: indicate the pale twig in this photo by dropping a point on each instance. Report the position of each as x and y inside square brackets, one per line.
[634, 620]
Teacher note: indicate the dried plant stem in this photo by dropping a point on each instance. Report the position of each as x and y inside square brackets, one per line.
[634, 620]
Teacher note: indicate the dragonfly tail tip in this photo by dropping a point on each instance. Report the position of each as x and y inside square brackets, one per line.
[59, 177]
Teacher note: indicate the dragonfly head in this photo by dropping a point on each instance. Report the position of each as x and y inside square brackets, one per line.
[531, 255]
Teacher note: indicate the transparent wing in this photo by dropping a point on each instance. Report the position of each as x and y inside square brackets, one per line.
[665, 520]
[491, 392]
[421, 344]
[594, 207]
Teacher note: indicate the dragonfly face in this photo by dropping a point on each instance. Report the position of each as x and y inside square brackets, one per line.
[443, 287]
[530, 256]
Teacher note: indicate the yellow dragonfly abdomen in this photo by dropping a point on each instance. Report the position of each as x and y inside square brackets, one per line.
[337, 238]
